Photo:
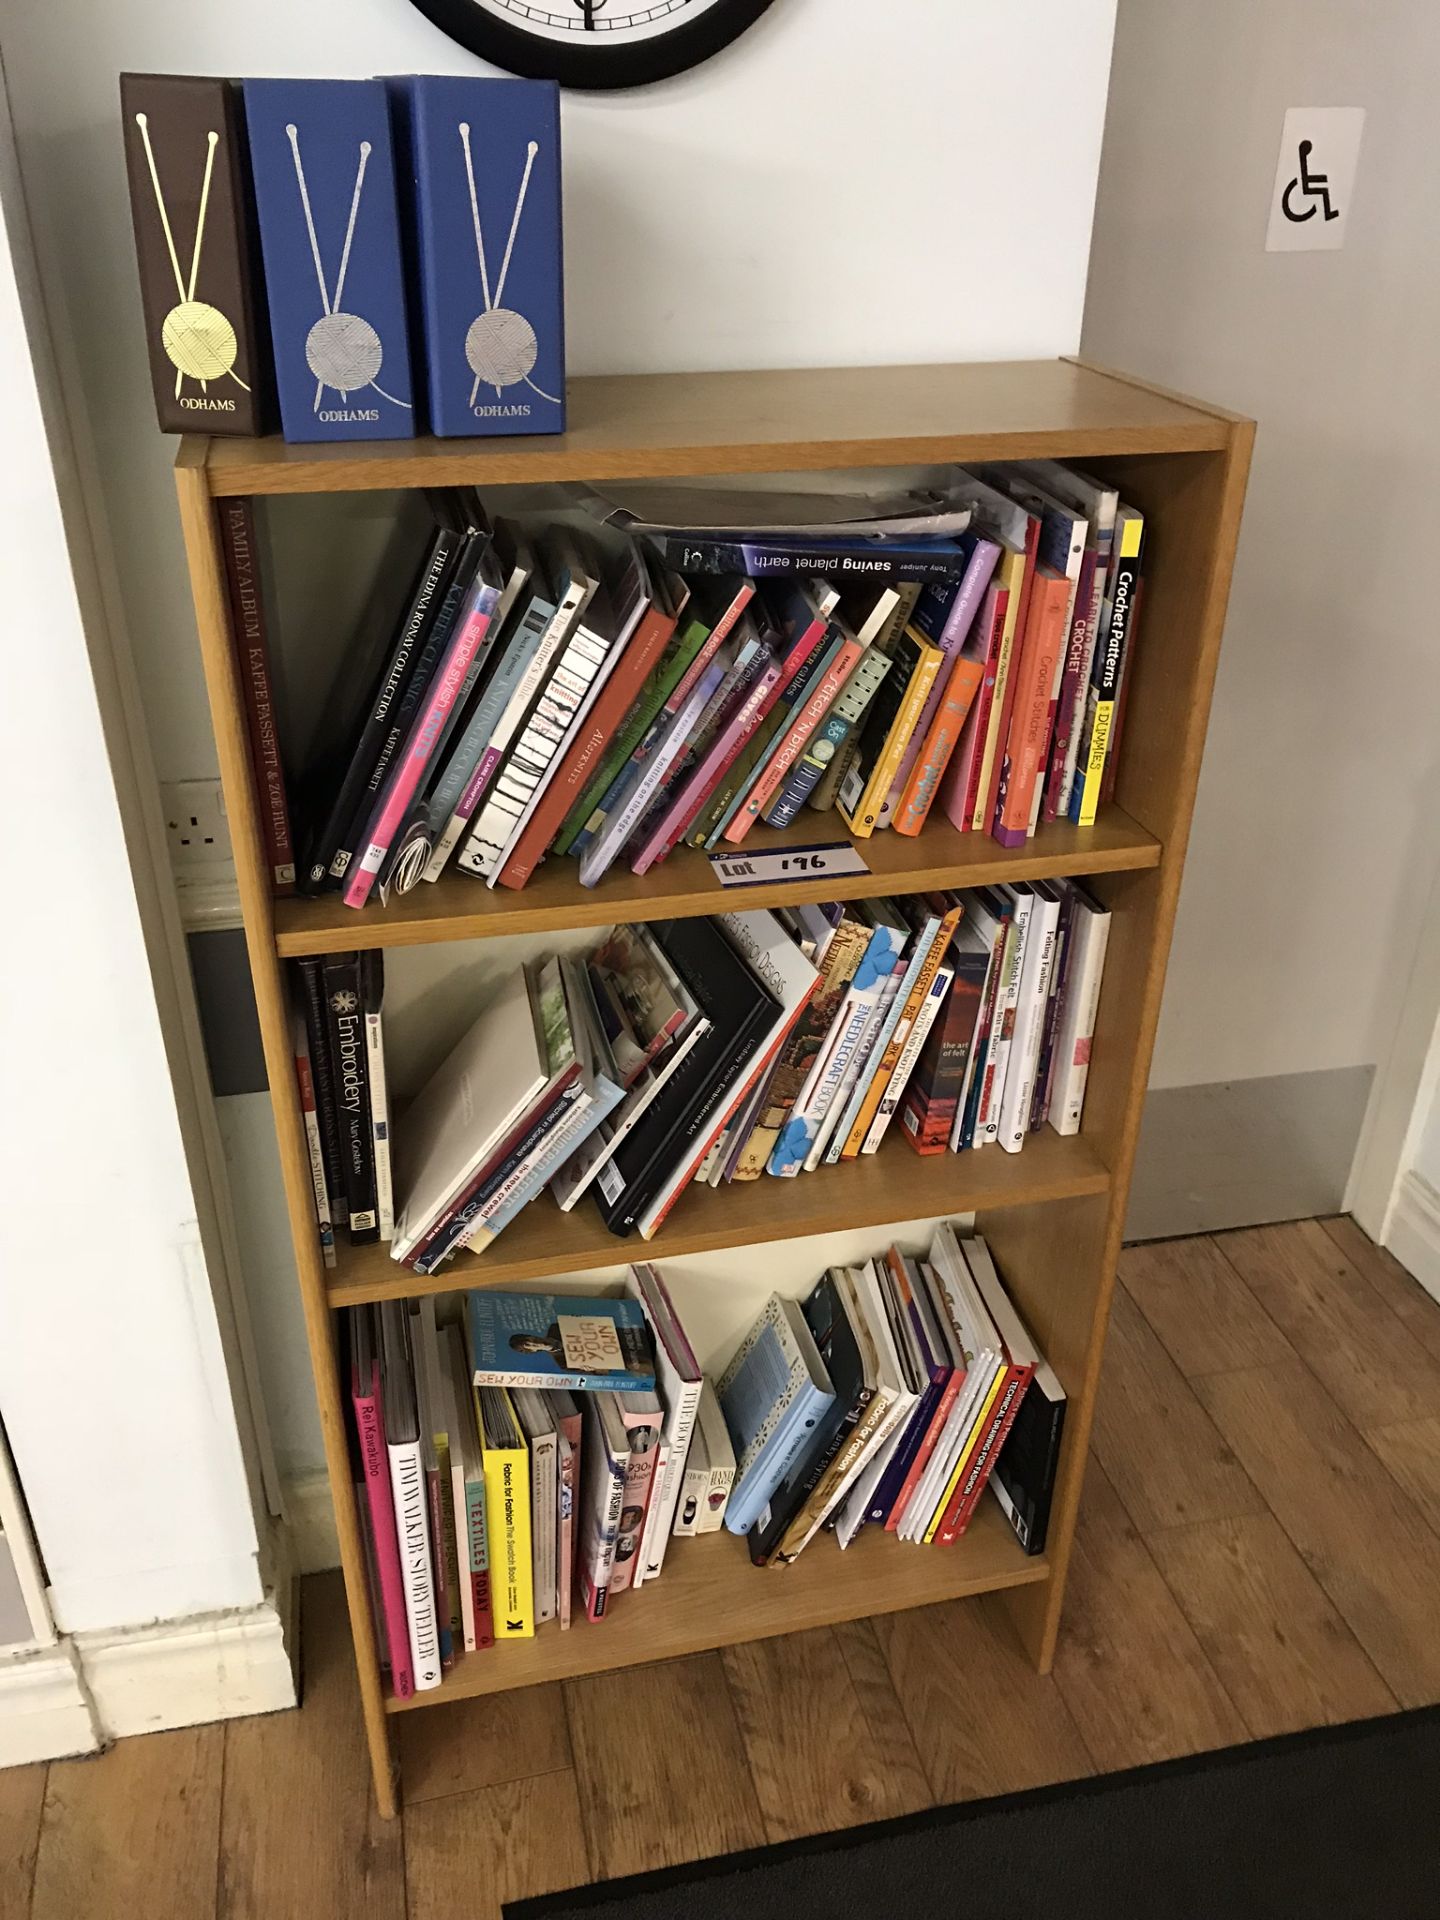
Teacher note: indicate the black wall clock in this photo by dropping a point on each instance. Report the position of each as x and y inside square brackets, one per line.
[594, 43]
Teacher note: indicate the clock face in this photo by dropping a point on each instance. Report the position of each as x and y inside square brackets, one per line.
[593, 43]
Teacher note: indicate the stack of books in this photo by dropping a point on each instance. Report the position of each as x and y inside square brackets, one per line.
[606, 687]
[527, 1466]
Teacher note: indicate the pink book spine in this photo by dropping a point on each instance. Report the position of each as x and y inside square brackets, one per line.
[719, 634]
[1074, 676]
[371, 1429]
[400, 790]
[804, 724]
[967, 604]
[639, 1484]
[723, 754]
[960, 789]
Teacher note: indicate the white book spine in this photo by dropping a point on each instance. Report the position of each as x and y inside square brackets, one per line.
[987, 1127]
[1029, 1028]
[1090, 936]
[569, 1495]
[665, 1501]
[462, 1545]
[380, 1124]
[559, 1142]
[690, 1503]
[639, 1573]
[412, 1525]
[544, 1525]
[863, 1069]
[856, 1017]
[909, 1053]
[317, 1177]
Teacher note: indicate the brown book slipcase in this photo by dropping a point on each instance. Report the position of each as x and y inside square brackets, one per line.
[195, 241]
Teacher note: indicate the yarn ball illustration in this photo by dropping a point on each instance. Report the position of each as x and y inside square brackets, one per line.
[199, 341]
[343, 351]
[501, 347]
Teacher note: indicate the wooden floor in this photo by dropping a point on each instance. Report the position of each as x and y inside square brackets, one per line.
[1260, 1551]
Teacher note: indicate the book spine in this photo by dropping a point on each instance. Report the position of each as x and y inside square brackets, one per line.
[344, 1012]
[507, 1527]
[1054, 1008]
[1003, 700]
[1076, 1035]
[1030, 715]
[1122, 700]
[637, 661]
[761, 556]
[927, 949]
[379, 1104]
[923, 1453]
[987, 1125]
[709, 647]
[1029, 1027]
[317, 1027]
[381, 1501]
[965, 1498]
[521, 1186]
[400, 789]
[864, 1066]
[475, 1527]
[1075, 675]
[816, 706]
[831, 738]
[918, 794]
[313, 1149]
[1106, 673]
[862, 817]
[925, 1527]
[910, 1053]
[957, 790]
[439, 1564]
[666, 1504]
[967, 1114]
[407, 1485]
[566, 1463]
[723, 753]
[252, 657]
[639, 1490]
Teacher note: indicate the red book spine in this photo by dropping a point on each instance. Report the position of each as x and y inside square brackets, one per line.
[926, 1448]
[365, 1398]
[966, 1496]
[1025, 742]
[939, 744]
[252, 661]
[616, 698]
[719, 633]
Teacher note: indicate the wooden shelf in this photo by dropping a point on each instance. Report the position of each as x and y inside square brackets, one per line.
[667, 424]
[460, 908]
[894, 1184]
[709, 1595]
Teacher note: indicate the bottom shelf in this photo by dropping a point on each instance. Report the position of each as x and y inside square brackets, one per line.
[710, 1596]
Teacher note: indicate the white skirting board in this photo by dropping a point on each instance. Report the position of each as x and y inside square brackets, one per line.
[180, 1674]
[1413, 1235]
[310, 1519]
[46, 1712]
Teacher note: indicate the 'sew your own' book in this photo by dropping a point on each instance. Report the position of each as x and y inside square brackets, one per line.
[559, 1340]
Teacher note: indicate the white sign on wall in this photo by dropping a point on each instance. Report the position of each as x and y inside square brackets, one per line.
[1314, 179]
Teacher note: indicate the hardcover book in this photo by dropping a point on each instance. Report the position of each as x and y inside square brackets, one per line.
[559, 1340]
[195, 244]
[480, 172]
[334, 276]
[252, 657]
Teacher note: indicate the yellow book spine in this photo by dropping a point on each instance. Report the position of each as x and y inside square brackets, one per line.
[1131, 534]
[1012, 577]
[507, 1524]
[882, 774]
[977, 1427]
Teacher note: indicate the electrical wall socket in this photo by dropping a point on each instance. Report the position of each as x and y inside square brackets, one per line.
[196, 828]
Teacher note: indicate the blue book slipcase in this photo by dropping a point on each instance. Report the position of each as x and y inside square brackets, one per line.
[481, 160]
[324, 171]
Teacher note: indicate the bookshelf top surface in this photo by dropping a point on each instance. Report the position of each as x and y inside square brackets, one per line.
[634, 425]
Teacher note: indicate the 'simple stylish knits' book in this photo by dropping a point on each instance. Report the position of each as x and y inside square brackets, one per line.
[320, 152]
[559, 1340]
[480, 171]
[195, 243]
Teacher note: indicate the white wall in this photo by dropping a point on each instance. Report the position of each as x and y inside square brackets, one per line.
[847, 184]
[112, 1378]
[1316, 831]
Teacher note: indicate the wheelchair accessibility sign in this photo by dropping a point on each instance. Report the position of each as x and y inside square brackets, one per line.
[1314, 179]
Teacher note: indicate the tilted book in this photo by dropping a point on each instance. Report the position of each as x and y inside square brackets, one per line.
[195, 241]
[773, 1395]
[558, 1340]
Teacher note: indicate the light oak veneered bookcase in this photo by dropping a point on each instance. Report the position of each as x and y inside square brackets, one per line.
[1053, 1213]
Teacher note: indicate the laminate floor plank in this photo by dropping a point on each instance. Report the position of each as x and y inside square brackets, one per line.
[1207, 1318]
[1411, 1451]
[1400, 1291]
[984, 1721]
[1281, 1650]
[22, 1802]
[824, 1753]
[1129, 1666]
[1353, 1526]
[1374, 1368]
[299, 1833]
[133, 1831]
[467, 1853]
[482, 1742]
[1157, 1444]
[660, 1765]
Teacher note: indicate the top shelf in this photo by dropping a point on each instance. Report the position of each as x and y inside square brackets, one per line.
[633, 426]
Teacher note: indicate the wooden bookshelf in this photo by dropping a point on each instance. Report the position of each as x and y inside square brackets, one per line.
[1054, 1213]
[714, 1598]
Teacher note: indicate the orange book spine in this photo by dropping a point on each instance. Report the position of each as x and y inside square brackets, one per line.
[941, 741]
[1030, 715]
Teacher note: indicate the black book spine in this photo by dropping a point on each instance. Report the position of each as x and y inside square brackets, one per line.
[350, 1070]
[325, 848]
[318, 1028]
[791, 1498]
[1027, 1467]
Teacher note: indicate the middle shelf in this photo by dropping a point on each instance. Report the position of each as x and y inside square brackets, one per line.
[894, 1184]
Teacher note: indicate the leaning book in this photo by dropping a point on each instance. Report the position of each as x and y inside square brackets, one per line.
[559, 1340]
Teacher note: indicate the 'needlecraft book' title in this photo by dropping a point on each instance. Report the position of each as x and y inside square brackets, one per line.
[559, 1340]
[324, 177]
[481, 161]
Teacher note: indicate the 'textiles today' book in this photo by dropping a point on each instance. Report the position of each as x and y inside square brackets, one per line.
[479, 166]
[330, 235]
[559, 1340]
